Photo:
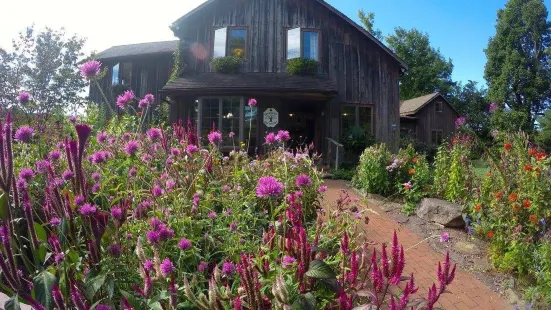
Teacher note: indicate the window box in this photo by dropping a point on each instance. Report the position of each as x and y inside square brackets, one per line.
[228, 64]
[302, 66]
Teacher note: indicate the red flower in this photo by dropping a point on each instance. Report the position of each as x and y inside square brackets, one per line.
[508, 146]
[477, 207]
[533, 152]
[516, 207]
[411, 171]
[528, 168]
[513, 197]
[415, 160]
[533, 219]
[489, 174]
[491, 234]
[541, 156]
[527, 203]
[499, 195]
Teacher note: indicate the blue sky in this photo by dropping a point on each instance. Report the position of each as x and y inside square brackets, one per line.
[459, 28]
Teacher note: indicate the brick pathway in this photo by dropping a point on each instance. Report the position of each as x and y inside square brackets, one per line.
[467, 292]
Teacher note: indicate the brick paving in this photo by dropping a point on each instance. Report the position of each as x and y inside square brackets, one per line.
[466, 292]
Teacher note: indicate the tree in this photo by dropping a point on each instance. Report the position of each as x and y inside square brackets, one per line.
[368, 20]
[428, 70]
[45, 64]
[471, 101]
[518, 71]
[543, 136]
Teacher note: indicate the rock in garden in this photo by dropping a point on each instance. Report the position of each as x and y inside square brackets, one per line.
[442, 212]
[467, 248]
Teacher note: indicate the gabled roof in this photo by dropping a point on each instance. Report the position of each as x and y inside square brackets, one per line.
[139, 49]
[251, 82]
[412, 106]
[323, 3]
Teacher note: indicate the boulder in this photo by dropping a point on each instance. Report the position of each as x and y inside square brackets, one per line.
[467, 248]
[442, 212]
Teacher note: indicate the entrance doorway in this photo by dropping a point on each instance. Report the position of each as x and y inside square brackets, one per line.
[304, 124]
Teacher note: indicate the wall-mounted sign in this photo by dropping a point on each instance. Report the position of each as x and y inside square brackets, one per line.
[271, 117]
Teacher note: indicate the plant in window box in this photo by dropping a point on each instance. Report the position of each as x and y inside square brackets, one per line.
[228, 64]
[302, 66]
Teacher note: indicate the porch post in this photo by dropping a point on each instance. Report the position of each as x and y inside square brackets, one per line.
[199, 119]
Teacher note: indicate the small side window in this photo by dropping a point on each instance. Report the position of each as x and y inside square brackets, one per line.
[437, 137]
[115, 75]
[438, 106]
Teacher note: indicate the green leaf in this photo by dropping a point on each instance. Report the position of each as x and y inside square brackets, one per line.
[40, 232]
[304, 302]
[132, 300]
[43, 283]
[93, 285]
[4, 207]
[12, 303]
[320, 270]
[156, 306]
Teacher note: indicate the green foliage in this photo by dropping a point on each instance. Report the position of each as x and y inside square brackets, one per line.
[179, 65]
[368, 20]
[356, 139]
[518, 71]
[418, 185]
[342, 174]
[371, 174]
[471, 101]
[543, 136]
[228, 64]
[429, 71]
[45, 64]
[453, 172]
[302, 66]
[508, 120]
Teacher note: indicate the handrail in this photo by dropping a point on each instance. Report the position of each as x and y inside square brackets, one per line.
[337, 153]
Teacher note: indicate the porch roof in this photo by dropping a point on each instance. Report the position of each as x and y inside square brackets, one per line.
[250, 82]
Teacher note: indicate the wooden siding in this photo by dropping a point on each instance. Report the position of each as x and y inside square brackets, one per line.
[363, 71]
[428, 120]
[149, 75]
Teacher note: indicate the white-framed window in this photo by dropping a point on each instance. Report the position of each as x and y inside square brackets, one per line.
[230, 41]
[226, 114]
[303, 43]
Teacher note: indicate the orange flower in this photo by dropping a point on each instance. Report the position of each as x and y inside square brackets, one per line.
[489, 174]
[528, 168]
[533, 152]
[491, 234]
[513, 197]
[508, 146]
[411, 171]
[533, 219]
[415, 160]
[477, 207]
[479, 230]
[499, 195]
[516, 207]
[541, 156]
[527, 203]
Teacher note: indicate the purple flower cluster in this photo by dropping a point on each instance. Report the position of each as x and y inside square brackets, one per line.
[270, 138]
[288, 262]
[159, 232]
[87, 209]
[228, 268]
[191, 148]
[167, 267]
[252, 103]
[90, 69]
[100, 157]
[116, 213]
[24, 134]
[147, 101]
[154, 134]
[460, 121]
[215, 137]
[184, 244]
[24, 97]
[493, 107]
[303, 180]
[125, 99]
[131, 147]
[101, 137]
[26, 174]
[54, 155]
[268, 187]
[281, 136]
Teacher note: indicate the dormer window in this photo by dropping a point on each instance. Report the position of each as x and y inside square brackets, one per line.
[230, 41]
[438, 106]
[303, 43]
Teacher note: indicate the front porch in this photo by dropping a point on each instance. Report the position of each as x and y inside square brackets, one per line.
[301, 105]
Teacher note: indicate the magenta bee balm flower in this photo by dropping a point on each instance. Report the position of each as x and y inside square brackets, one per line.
[125, 99]
[88, 209]
[131, 147]
[90, 69]
[26, 174]
[23, 97]
[166, 267]
[252, 103]
[184, 244]
[268, 187]
[270, 138]
[24, 134]
[283, 136]
[215, 137]
[228, 268]
[303, 180]
[147, 100]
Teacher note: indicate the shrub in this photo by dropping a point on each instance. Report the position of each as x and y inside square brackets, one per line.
[372, 175]
[302, 66]
[228, 64]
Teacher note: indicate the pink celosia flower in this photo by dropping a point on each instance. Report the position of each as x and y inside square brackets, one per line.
[24, 97]
[268, 187]
[125, 98]
[215, 137]
[270, 138]
[184, 244]
[24, 134]
[283, 136]
[131, 147]
[88, 209]
[90, 69]
[303, 180]
[166, 267]
[252, 103]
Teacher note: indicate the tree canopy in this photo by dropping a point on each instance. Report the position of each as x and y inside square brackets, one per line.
[368, 21]
[429, 71]
[518, 71]
[471, 101]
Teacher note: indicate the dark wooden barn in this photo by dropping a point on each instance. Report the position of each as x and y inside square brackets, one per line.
[356, 84]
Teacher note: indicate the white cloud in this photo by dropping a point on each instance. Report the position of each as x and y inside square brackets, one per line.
[103, 22]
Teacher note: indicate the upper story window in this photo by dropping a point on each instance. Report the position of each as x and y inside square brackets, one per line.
[438, 106]
[121, 74]
[303, 43]
[230, 41]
